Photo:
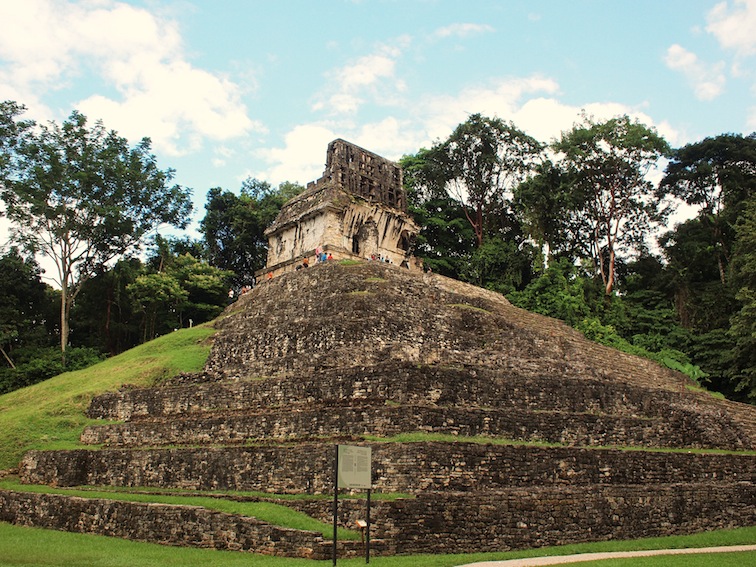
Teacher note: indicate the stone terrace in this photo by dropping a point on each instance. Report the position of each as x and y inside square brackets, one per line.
[360, 353]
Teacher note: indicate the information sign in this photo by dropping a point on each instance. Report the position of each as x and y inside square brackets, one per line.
[354, 467]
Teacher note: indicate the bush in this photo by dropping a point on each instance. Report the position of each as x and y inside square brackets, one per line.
[38, 364]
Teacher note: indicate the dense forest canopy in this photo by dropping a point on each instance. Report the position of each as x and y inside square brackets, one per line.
[575, 230]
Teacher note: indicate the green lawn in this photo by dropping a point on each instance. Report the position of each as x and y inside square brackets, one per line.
[50, 415]
[32, 547]
[276, 514]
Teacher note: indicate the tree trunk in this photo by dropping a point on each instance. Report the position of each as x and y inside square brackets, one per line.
[610, 275]
[7, 357]
[64, 310]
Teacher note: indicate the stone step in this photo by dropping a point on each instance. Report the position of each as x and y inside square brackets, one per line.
[398, 383]
[511, 518]
[185, 526]
[521, 518]
[679, 429]
[397, 467]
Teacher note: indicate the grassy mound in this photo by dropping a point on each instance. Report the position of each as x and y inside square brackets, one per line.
[51, 414]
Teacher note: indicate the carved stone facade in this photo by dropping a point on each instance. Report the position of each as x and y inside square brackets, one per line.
[357, 209]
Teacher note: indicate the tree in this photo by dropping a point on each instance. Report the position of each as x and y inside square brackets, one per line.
[482, 161]
[103, 316]
[234, 226]
[546, 207]
[718, 175]
[11, 130]
[607, 164]
[83, 197]
[22, 304]
[157, 294]
[743, 328]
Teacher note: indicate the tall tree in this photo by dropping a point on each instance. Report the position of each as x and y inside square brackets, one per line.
[717, 175]
[483, 160]
[607, 163]
[546, 206]
[22, 304]
[234, 225]
[743, 323]
[83, 197]
[446, 241]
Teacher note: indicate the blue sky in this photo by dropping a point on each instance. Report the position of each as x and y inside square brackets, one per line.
[228, 89]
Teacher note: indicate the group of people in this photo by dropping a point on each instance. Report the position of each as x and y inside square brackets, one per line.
[380, 258]
[320, 256]
[244, 289]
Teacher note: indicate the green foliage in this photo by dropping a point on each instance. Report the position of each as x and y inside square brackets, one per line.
[743, 322]
[547, 206]
[446, 239]
[719, 176]
[711, 260]
[500, 265]
[34, 365]
[481, 163]
[83, 197]
[23, 305]
[50, 414]
[157, 295]
[104, 315]
[234, 226]
[558, 293]
[606, 165]
[187, 292]
[649, 331]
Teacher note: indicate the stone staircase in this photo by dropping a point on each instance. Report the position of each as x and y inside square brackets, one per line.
[573, 441]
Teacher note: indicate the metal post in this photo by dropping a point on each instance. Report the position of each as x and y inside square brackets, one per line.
[367, 530]
[335, 500]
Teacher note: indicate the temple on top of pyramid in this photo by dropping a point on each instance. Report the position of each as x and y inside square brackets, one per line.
[357, 209]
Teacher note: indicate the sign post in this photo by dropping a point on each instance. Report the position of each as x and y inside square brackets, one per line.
[352, 469]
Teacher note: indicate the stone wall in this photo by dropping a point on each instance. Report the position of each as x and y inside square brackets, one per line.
[526, 518]
[679, 429]
[436, 522]
[520, 518]
[400, 398]
[392, 383]
[167, 524]
[397, 467]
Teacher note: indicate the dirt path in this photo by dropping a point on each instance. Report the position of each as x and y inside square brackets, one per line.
[582, 557]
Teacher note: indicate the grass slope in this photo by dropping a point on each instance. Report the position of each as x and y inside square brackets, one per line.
[50, 415]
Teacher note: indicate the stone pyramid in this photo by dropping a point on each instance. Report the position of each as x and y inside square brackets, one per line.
[523, 433]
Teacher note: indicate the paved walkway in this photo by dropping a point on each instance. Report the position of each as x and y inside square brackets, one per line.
[582, 557]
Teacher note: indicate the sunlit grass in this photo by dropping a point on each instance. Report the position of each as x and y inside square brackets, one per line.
[269, 512]
[33, 547]
[51, 414]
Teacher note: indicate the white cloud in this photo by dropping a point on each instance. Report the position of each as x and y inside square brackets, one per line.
[502, 98]
[734, 25]
[531, 103]
[50, 44]
[302, 159]
[462, 30]
[707, 80]
[371, 77]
